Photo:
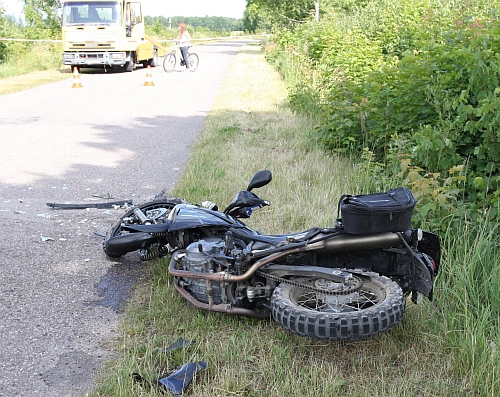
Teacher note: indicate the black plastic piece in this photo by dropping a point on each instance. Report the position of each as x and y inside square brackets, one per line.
[108, 204]
[178, 344]
[260, 179]
[180, 379]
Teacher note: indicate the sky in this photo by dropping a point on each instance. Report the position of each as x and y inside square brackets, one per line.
[166, 8]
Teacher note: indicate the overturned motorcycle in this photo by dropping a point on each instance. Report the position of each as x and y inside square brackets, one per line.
[342, 283]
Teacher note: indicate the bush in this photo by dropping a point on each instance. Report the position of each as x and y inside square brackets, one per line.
[425, 71]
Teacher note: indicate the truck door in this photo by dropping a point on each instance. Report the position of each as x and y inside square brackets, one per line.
[134, 25]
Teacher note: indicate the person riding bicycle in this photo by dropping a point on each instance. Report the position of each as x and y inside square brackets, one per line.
[184, 40]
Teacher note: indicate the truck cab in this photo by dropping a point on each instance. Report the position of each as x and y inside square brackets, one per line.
[100, 33]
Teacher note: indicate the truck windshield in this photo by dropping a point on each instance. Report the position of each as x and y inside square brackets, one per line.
[92, 13]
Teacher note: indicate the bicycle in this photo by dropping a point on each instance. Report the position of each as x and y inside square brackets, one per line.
[170, 60]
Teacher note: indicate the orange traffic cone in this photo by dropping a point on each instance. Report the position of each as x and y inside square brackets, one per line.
[76, 79]
[149, 78]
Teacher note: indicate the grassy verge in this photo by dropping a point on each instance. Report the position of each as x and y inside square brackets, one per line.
[249, 129]
[33, 65]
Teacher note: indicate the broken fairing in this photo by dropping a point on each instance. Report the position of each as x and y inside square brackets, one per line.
[181, 378]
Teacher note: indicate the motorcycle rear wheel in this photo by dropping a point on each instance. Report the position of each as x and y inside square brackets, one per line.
[377, 307]
[156, 211]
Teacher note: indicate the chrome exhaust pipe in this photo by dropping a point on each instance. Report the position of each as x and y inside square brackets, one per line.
[222, 308]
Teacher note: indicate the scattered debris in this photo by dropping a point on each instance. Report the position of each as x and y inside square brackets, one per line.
[44, 238]
[106, 196]
[44, 216]
[19, 212]
[139, 379]
[109, 204]
[178, 344]
[181, 378]
[100, 234]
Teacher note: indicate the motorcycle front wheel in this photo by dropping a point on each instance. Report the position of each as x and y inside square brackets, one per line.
[376, 307]
[156, 211]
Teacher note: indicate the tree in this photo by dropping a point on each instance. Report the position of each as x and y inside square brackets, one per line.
[42, 18]
[3, 23]
[279, 13]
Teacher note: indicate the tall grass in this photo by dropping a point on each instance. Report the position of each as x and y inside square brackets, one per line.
[469, 290]
[24, 58]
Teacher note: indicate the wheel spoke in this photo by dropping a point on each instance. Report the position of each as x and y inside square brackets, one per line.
[337, 303]
[336, 316]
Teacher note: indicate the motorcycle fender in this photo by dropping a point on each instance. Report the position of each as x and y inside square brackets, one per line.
[120, 245]
[424, 275]
[155, 228]
[336, 275]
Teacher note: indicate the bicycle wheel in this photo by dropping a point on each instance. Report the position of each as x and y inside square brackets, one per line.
[193, 61]
[169, 62]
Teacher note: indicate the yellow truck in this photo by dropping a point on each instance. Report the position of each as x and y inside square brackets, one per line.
[100, 33]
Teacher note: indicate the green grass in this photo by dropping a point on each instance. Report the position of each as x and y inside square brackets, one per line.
[439, 349]
[31, 65]
[33, 57]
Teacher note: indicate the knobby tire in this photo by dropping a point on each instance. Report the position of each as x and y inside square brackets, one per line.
[318, 320]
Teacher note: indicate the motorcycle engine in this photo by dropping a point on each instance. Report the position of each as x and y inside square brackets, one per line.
[198, 259]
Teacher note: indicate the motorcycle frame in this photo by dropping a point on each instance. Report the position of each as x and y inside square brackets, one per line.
[390, 254]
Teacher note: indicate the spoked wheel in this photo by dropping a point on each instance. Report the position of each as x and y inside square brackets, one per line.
[193, 61]
[344, 313]
[169, 62]
[156, 211]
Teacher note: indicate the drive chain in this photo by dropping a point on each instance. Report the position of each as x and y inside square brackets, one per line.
[356, 284]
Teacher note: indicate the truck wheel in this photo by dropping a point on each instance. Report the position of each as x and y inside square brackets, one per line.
[153, 62]
[129, 66]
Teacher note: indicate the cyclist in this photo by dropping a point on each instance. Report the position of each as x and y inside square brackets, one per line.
[184, 40]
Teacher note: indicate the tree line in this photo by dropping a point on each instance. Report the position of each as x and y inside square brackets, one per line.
[158, 24]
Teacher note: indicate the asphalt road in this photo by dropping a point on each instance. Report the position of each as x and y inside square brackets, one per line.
[60, 296]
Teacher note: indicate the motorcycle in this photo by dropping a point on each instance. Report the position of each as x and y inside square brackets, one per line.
[321, 283]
